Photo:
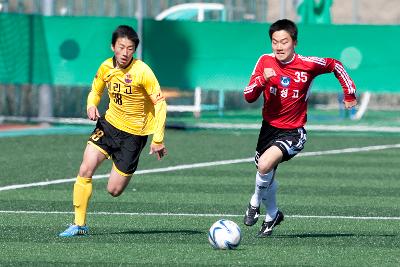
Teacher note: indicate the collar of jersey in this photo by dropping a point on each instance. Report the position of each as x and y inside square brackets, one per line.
[290, 61]
[116, 66]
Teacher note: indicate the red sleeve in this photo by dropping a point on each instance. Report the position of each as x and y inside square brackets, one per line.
[335, 66]
[257, 83]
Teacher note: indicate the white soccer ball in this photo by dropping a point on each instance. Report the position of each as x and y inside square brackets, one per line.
[224, 234]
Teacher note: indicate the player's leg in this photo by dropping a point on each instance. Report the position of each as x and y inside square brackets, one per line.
[273, 215]
[271, 157]
[96, 151]
[290, 143]
[269, 200]
[126, 160]
[92, 158]
[267, 165]
[265, 182]
[117, 182]
[268, 161]
[265, 174]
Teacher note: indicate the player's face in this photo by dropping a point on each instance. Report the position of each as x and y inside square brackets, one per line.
[283, 46]
[123, 51]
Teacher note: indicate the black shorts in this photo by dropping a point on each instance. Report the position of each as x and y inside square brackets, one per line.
[289, 141]
[124, 148]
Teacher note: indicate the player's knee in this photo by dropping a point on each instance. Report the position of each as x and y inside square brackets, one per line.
[264, 167]
[115, 189]
[85, 170]
[115, 192]
[268, 164]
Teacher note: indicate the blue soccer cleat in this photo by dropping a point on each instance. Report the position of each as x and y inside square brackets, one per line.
[75, 230]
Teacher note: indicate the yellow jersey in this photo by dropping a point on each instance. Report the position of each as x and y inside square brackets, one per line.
[130, 108]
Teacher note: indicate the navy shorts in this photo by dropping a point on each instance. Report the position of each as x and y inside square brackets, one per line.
[124, 148]
[289, 141]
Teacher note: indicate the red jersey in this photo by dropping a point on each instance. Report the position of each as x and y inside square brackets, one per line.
[286, 94]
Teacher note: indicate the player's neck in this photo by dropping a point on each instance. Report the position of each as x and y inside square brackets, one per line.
[289, 59]
[119, 66]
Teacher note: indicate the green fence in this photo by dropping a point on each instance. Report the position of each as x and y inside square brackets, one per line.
[54, 50]
[68, 50]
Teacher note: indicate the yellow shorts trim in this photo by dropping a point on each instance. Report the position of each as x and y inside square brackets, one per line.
[120, 172]
[100, 149]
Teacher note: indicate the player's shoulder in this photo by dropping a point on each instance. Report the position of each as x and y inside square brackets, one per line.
[312, 59]
[265, 58]
[141, 66]
[107, 64]
[104, 67]
[269, 56]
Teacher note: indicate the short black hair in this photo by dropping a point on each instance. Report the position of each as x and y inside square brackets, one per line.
[125, 31]
[286, 25]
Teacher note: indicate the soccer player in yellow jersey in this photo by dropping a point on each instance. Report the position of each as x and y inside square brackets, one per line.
[136, 109]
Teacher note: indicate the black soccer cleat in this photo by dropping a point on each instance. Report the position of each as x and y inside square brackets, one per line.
[251, 216]
[266, 228]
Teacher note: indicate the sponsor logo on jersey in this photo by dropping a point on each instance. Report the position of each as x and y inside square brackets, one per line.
[285, 81]
[128, 78]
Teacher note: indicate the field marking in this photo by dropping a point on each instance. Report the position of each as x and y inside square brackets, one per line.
[198, 215]
[205, 164]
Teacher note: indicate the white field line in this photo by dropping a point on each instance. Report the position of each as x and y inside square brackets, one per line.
[205, 164]
[196, 215]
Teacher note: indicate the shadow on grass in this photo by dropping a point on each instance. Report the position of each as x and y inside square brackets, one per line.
[150, 232]
[330, 235]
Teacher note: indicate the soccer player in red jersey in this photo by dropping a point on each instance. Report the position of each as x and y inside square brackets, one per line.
[284, 78]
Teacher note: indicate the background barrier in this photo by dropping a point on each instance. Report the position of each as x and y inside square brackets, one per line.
[66, 51]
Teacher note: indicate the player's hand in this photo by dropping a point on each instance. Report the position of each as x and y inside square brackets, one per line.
[159, 149]
[350, 104]
[93, 113]
[268, 73]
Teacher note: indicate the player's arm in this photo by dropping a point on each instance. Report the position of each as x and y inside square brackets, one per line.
[160, 106]
[348, 86]
[257, 82]
[94, 96]
[152, 87]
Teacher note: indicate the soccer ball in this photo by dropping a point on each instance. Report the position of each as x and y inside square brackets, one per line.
[224, 234]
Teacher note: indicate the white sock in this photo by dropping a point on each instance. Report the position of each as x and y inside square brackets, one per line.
[262, 183]
[269, 200]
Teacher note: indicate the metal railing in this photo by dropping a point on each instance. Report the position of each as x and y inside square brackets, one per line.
[237, 10]
[342, 11]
